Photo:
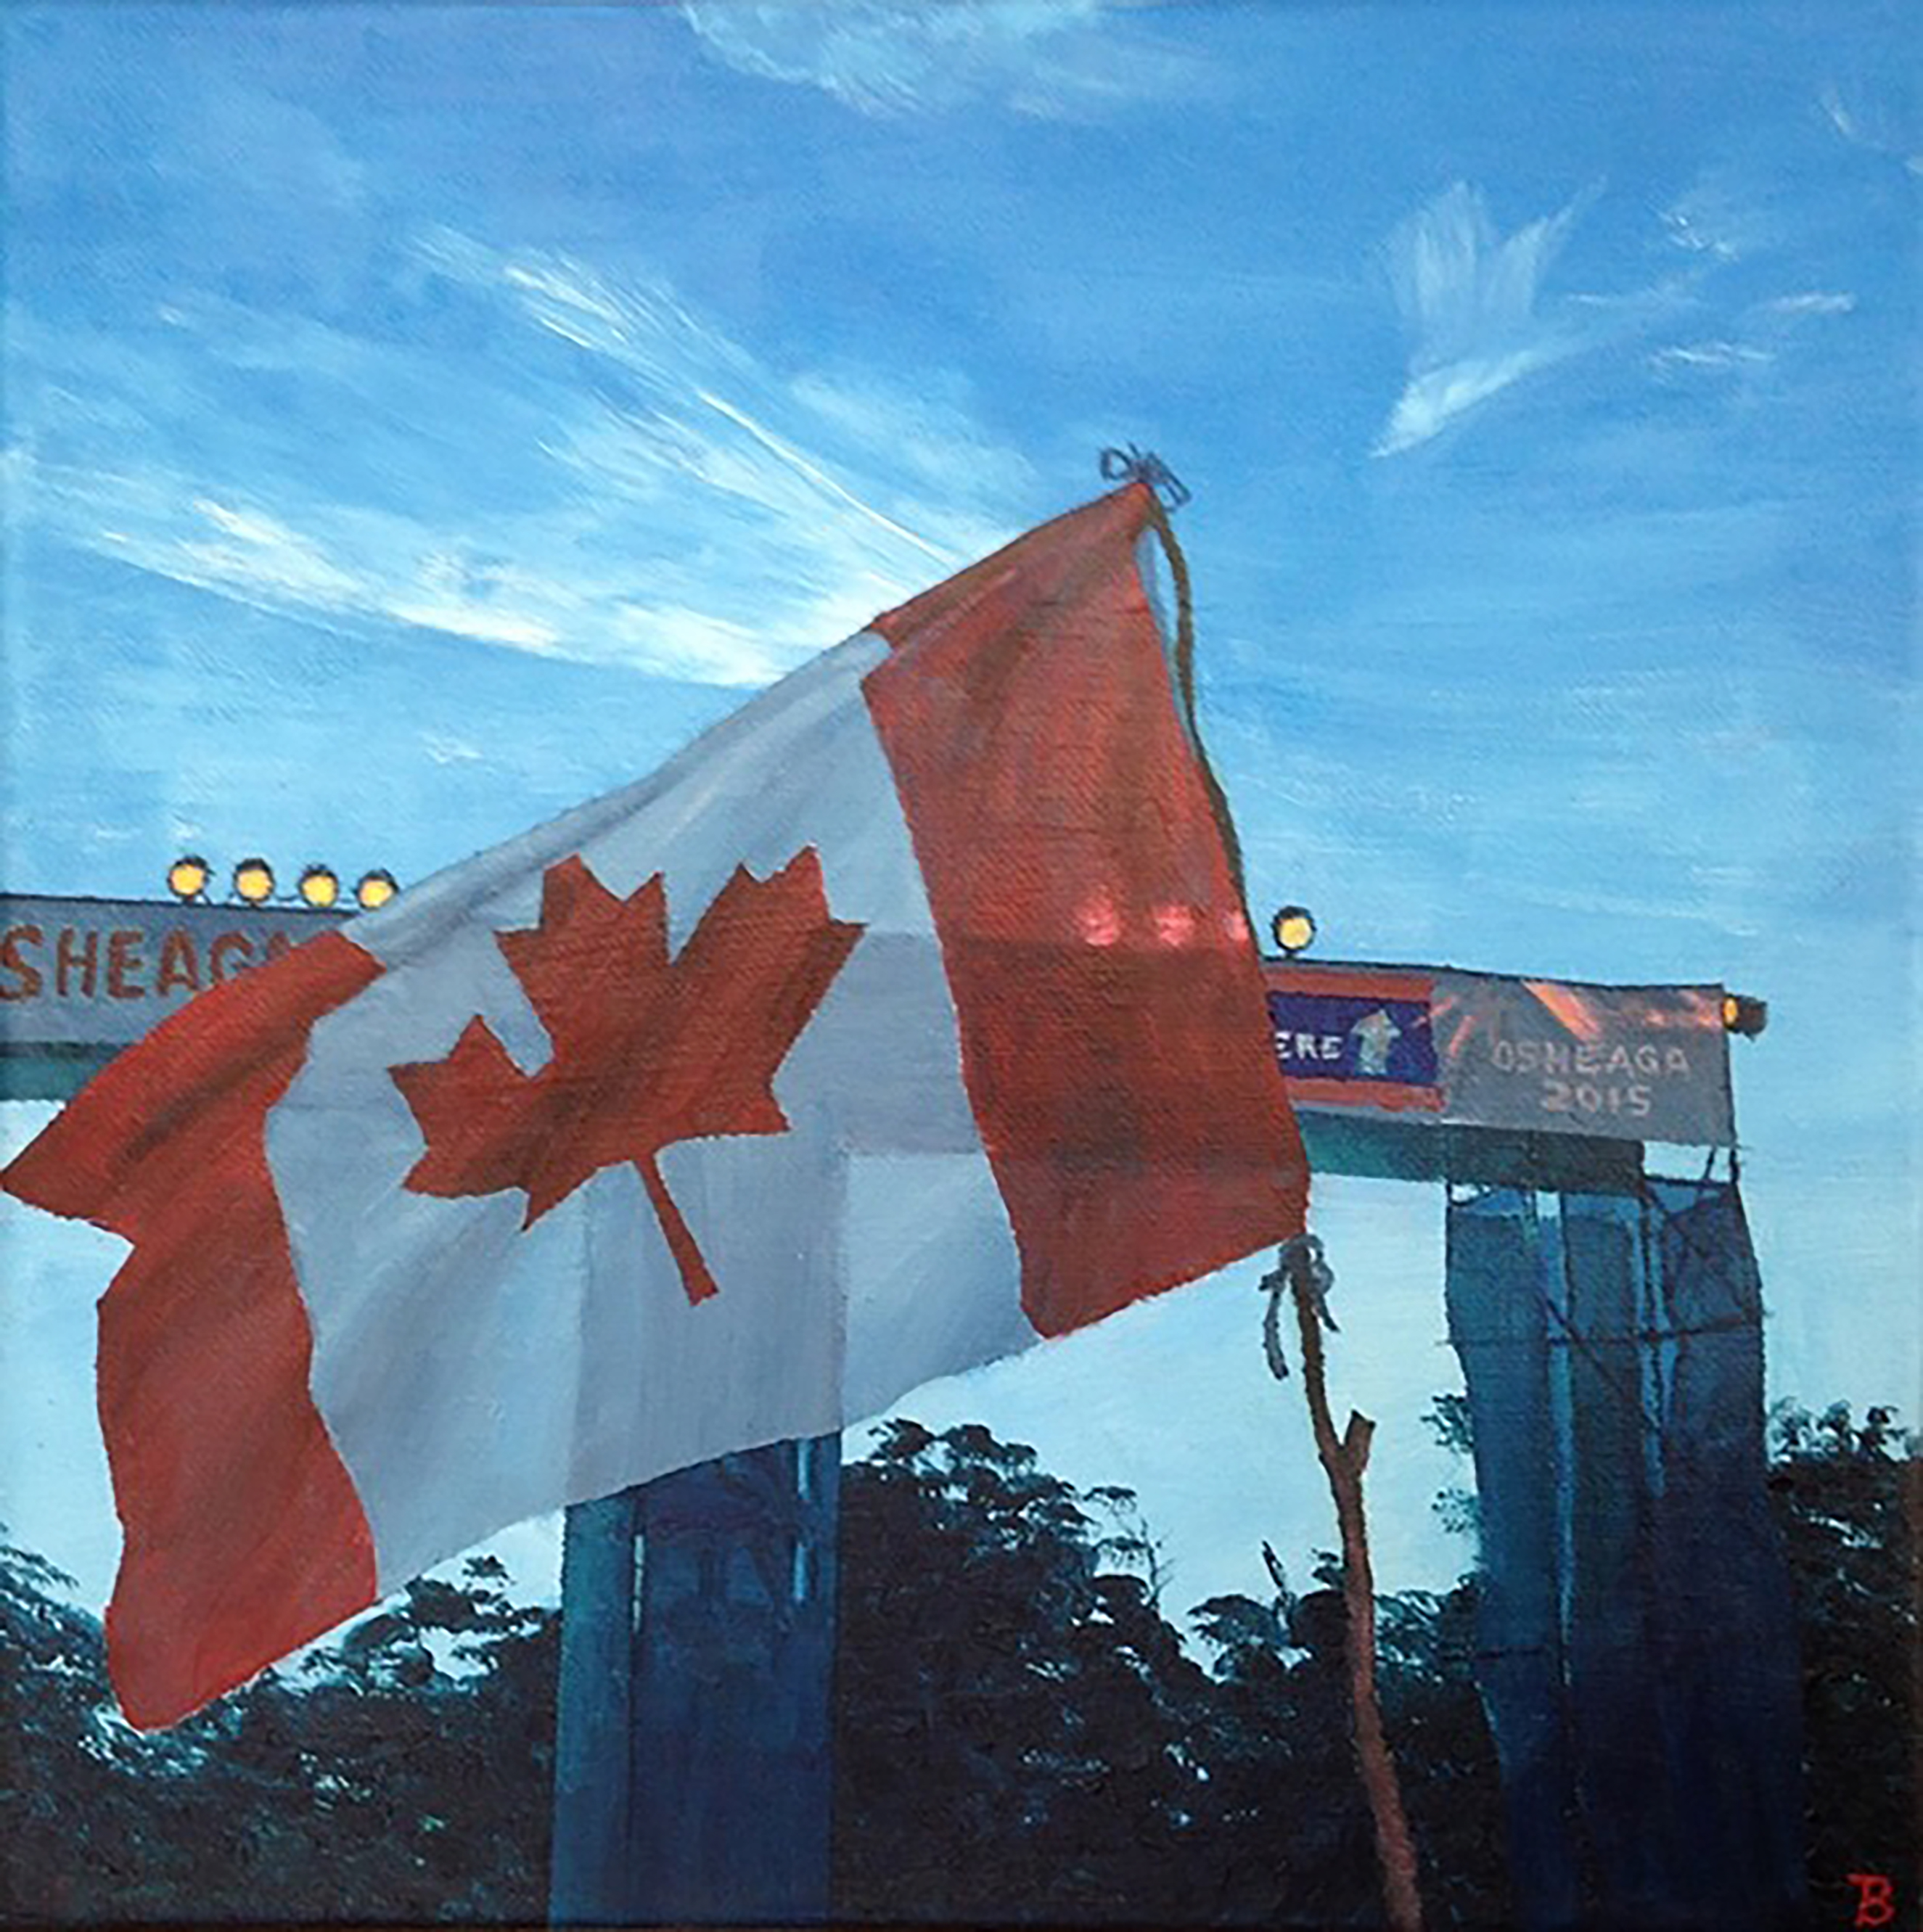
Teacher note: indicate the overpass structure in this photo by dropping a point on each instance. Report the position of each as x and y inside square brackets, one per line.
[1636, 1657]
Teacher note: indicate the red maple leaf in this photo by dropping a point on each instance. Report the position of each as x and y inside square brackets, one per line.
[647, 1051]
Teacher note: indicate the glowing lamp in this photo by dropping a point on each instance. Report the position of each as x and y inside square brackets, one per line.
[187, 877]
[319, 887]
[1743, 1014]
[254, 881]
[1294, 929]
[374, 890]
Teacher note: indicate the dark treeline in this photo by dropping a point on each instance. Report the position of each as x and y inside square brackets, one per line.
[1021, 1733]
[375, 1783]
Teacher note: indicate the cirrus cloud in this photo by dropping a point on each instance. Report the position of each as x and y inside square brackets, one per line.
[885, 58]
[1468, 295]
[682, 505]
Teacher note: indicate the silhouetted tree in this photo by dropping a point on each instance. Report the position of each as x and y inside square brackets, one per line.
[1014, 1718]
[402, 1772]
[1847, 1497]
[1296, 1844]
[1292, 1841]
[1022, 1734]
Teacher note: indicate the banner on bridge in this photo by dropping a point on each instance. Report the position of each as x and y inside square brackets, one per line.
[1478, 1049]
[1434, 1045]
[101, 972]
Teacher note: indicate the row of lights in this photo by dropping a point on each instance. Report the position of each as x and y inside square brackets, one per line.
[253, 883]
[1292, 927]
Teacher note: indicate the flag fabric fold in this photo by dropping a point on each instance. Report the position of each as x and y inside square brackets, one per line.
[907, 1018]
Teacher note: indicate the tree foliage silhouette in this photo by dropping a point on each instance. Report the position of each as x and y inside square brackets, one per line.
[1013, 1717]
[1023, 1735]
[1848, 1497]
[400, 1773]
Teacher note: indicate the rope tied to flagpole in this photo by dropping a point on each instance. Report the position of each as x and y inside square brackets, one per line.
[1168, 492]
[1300, 1258]
[1129, 464]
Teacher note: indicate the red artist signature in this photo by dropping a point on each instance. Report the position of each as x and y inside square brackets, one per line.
[1876, 1898]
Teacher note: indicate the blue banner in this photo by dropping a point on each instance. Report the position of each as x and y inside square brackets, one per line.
[1354, 1035]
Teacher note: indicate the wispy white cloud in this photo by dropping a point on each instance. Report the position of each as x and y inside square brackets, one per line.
[785, 452]
[1811, 302]
[931, 432]
[1714, 358]
[357, 566]
[1481, 318]
[1716, 221]
[822, 513]
[1876, 113]
[368, 568]
[252, 550]
[1762, 334]
[681, 506]
[1733, 226]
[1469, 298]
[446, 749]
[888, 57]
[452, 593]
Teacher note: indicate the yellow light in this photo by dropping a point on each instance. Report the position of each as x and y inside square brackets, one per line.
[186, 877]
[375, 889]
[254, 881]
[1744, 1013]
[319, 887]
[1294, 928]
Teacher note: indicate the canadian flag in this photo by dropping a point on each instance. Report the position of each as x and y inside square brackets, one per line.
[907, 1018]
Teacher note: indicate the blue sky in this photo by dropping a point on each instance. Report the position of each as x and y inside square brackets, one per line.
[420, 419]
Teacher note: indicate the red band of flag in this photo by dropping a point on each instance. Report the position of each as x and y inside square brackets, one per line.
[243, 1535]
[1110, 998]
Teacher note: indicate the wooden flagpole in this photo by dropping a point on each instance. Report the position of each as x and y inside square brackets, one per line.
[1301, 1269]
